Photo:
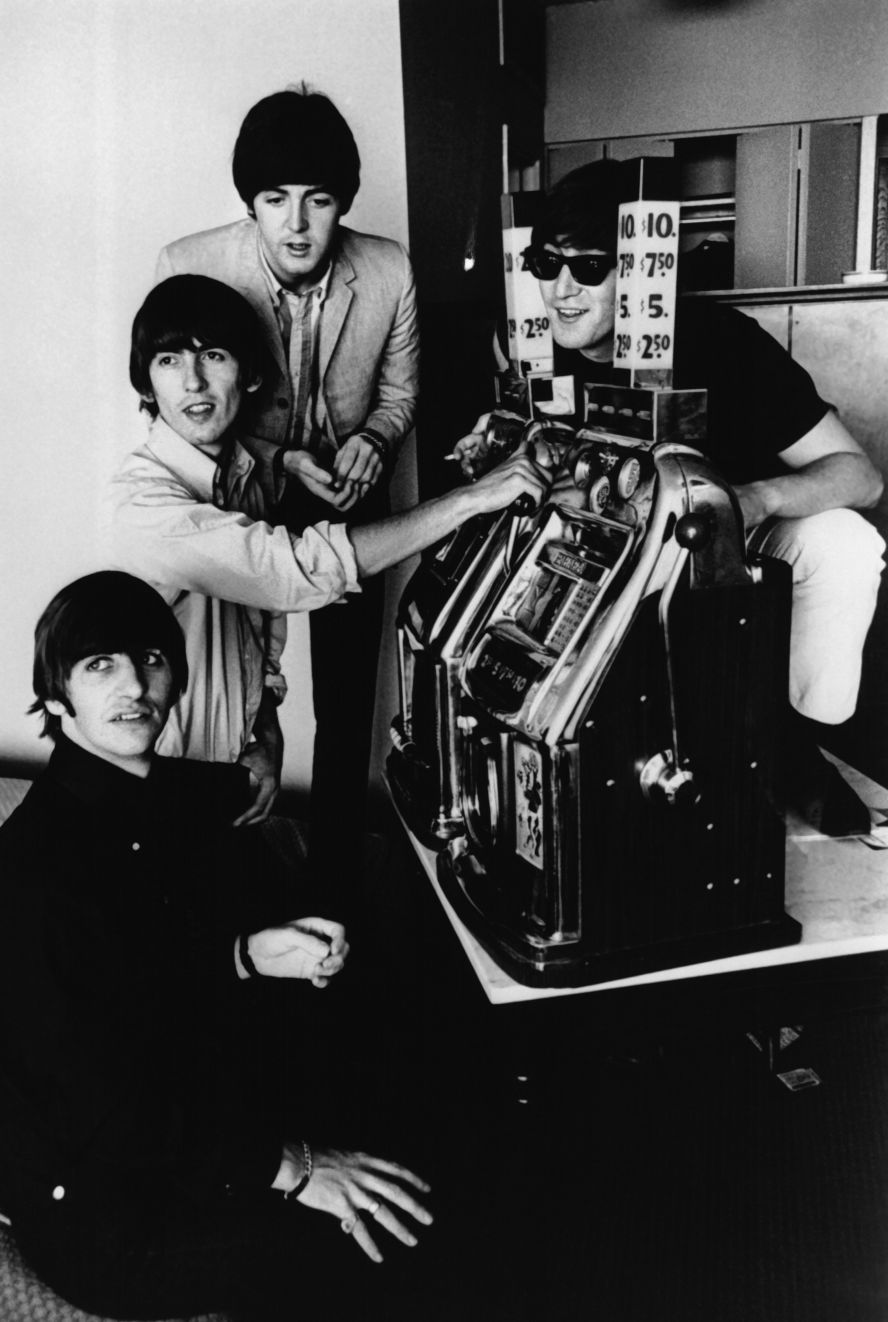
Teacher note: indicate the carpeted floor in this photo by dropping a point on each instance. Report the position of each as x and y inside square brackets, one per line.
[23, 1298]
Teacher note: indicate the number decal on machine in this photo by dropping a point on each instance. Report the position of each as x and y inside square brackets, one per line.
[528, 324]
[534, 327]
[529, 804]
[645, 290]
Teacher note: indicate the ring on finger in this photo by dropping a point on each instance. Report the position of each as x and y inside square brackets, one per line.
[373, 1208]
[348, 1224]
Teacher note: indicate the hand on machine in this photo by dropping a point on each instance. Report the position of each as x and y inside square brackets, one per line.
[500, 433]
[579, 480]
[519, 482]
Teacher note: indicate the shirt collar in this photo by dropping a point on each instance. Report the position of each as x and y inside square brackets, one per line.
[277, 290]
[93, 780]
[199, 470]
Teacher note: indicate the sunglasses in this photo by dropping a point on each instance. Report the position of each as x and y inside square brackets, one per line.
[588, 268]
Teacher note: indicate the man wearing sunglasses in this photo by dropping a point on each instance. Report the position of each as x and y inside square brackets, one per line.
[578, 290]
[797, 472]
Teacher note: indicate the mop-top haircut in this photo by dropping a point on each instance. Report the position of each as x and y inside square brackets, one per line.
[296, 137]
[581, 211]
[188, 311]
[105, 612]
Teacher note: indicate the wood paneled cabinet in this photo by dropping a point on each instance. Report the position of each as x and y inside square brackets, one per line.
[774, 207]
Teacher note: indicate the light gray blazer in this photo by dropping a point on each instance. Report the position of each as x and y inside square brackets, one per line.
[369, 343]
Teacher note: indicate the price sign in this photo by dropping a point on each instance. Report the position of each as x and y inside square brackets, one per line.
[530, 339]
[647, 260]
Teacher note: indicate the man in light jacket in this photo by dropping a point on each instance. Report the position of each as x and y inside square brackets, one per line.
[337, 310]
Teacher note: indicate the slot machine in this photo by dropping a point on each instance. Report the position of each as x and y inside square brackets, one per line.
[620, 712]
[443, 605]
[620, 707]
[446, 600]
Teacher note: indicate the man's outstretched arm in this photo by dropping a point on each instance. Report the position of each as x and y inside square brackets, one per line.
[161, 530]
[379, 545]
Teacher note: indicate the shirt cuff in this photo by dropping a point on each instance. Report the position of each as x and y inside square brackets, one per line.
[278, 686]
[336, 535]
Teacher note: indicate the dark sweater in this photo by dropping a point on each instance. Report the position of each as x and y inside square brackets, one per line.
[760, 401]
[132, 1059]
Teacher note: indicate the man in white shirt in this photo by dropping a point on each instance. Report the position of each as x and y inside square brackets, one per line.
[194, 511]
[337, 310]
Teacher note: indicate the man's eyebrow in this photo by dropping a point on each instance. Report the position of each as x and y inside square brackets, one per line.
[309, 188]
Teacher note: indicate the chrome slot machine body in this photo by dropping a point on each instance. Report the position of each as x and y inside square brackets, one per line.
[442, 607]
[620, 714]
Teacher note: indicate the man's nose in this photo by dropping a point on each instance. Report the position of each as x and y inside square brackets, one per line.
[565, 284]
[298, 218]
[131, 678]
[193, 374]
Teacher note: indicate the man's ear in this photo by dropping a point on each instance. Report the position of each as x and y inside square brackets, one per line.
[253, 385]
[56, 707]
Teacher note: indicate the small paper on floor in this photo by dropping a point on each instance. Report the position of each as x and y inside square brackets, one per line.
[798, 1080]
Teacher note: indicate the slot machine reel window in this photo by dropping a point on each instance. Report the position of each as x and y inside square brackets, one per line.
[566, 577]
[545, 611]
[505, 671]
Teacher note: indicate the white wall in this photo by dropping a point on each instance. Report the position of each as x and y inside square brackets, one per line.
[620, 68]
[117, 122]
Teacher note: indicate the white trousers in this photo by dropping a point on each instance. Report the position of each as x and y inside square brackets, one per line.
[836, 560]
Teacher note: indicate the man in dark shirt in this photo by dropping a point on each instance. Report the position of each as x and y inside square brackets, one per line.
[145, 1158]
[797, 473]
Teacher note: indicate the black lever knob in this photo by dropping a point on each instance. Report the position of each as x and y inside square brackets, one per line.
[693, 532]
[525, 504]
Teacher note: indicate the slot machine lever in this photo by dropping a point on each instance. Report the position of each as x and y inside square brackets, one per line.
[523, 505]
[518, 510]
[543, 456]
[548, 444]
[666, 775]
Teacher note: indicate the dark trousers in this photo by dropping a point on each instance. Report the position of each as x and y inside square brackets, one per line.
[345, 641]
[152, 1248]
[258, 1259]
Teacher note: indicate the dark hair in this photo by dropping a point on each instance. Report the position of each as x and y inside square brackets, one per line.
[296, 137]
[581, 210]
[108, 611]
[193, 309]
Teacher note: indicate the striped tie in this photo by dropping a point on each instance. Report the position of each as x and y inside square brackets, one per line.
[300, 354]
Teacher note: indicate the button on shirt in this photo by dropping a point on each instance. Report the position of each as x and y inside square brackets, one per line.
[198, 531]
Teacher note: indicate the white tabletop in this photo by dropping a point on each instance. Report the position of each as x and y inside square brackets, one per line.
[837, 890]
